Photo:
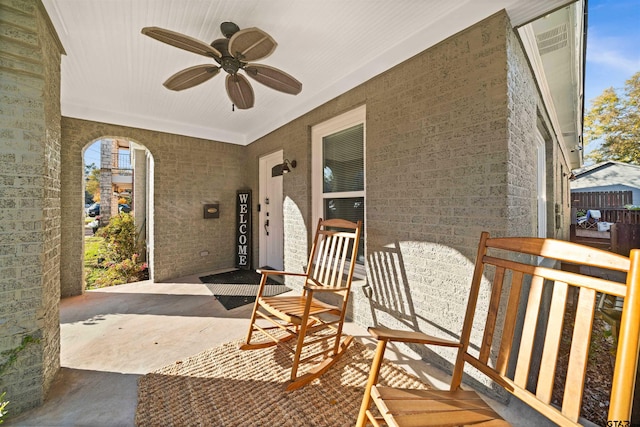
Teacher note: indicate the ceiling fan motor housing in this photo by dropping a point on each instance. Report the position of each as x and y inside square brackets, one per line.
[229, 29]
[230, 65]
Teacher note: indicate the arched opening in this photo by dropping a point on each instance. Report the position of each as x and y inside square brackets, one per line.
[117, 183]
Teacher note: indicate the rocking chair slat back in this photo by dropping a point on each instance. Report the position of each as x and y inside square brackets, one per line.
[551, 287]
[510, 320]
[513, 264]
[548, 363]
[331, 252]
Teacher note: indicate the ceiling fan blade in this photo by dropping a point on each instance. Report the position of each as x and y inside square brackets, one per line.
[274, 78]
[181, 41]
[191, 76]
[240, 91]
[251, 44]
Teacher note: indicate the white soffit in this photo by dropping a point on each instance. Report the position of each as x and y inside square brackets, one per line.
[113, 74]
[554, 45]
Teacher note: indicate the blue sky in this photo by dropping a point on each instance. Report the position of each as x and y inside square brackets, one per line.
[92, 154]
[613, 51]
[613, 45]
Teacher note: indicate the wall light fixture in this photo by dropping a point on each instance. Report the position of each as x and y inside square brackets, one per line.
[288, 165]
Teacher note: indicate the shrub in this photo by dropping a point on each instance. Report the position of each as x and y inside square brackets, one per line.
[117, 273]
[120, 238]
[3, 405]
[119, 254]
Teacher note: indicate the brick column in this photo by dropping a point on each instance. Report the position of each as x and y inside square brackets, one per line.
[140, 194]
[29, 204]
[105, 181]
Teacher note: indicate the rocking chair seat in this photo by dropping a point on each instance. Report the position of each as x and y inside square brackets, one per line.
[426, 408]
[291, 309]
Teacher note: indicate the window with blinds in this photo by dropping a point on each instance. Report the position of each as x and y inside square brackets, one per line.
[338, 169]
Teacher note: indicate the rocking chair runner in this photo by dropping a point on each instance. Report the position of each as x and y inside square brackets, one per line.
[304, 318]
[502, 260]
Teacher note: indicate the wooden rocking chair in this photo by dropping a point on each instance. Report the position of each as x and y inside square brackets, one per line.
[306, 319]
[504, 261]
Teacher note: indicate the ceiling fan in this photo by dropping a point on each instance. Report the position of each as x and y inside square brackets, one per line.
[232, 53]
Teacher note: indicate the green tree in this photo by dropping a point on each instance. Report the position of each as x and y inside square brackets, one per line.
[92, 185]
[614, 121]
[89, 168]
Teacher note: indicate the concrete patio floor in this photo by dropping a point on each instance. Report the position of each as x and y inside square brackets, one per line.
[112, 336]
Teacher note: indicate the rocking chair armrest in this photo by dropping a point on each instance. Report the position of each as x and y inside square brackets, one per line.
[265, 273]
[386, 334]
[280, 273]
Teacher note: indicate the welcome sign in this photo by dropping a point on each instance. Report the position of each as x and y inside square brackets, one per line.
[243, 229]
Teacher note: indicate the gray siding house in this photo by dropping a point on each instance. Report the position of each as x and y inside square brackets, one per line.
[477, 132]
[608, 176]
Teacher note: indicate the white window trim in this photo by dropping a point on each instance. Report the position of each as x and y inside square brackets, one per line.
[344, 121]
[541, 185]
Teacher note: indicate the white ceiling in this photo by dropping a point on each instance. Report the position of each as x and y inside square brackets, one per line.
[112, 73]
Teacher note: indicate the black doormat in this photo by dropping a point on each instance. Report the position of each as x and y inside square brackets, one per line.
[238, 277]
[239, 287]
[234, 301]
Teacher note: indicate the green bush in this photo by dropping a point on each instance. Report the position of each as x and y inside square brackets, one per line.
[120, 238]
[118, 258]
[3, 405]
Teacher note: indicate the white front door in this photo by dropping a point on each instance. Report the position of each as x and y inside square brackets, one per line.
[270, 216]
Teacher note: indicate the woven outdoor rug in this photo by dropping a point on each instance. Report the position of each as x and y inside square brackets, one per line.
[225, 386]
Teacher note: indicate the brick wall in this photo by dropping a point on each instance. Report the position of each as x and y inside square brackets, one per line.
[29, 203]
[449, 153]
[188, 171]
[522, 154]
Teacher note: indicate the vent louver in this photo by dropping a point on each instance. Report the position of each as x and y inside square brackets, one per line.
[553, 39]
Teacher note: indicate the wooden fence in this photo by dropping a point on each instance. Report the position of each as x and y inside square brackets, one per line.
[625, 237]
[624, 216]
[601, 199]
[625, 228]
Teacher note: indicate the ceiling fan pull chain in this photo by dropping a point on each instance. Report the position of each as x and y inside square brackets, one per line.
[233, 107]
